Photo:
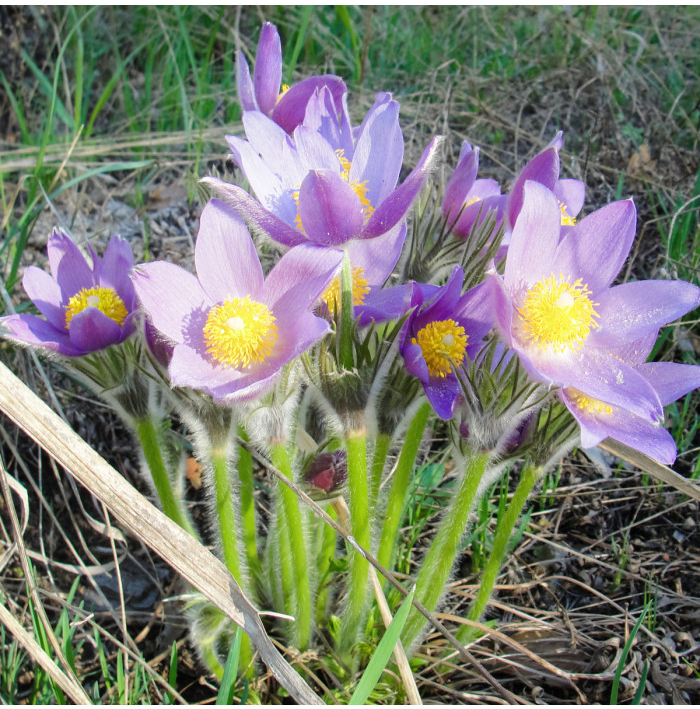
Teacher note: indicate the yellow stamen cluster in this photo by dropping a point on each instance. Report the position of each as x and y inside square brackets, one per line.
[283, 90]
[557, 314]
[104, 299]
[443, 344]
[587, 404]
[566, 218]
[240, 332]
[332, 296]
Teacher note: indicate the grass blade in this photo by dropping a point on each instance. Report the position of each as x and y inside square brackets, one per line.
[225, 695]
[301, 37]
[625, 652]
[382, 654]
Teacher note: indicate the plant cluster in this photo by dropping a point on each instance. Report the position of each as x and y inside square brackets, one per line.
[390, 304]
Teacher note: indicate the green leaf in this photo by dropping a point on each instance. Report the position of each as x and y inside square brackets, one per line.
[382, 654]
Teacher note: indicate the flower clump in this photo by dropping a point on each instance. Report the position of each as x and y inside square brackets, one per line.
[331, 315]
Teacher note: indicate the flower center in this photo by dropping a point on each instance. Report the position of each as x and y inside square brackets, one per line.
[104, 299]
[566, 218]
[240, 332]
[587, 404]
[359, 188]
[443, 343]
[332, 296]
[558, 314]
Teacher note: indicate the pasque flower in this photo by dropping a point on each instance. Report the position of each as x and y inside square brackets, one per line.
[232, 329]
[284, 105]
[556, 308]
[442, 332]
[327, 184]
[86, 307]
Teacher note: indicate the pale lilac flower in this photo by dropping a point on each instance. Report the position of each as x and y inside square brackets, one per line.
[468, 199]
[284, 105]
[326, 184]
[232, 329]
[86, 307]
[442, 332]
[556, 308]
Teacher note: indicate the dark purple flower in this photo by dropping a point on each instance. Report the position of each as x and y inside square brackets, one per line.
[284, 105]
[87, 306]
[468, 199]
[232, 329]
[441, 333]
[544, 168]
[556, 308]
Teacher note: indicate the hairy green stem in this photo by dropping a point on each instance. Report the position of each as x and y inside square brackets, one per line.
[150, 444]
[381, 451]
[326, 553]
[529, 477]
[226, 519]
[354, 615]
[436, 567]
[399, 485]
[247, 508]
[295, 530]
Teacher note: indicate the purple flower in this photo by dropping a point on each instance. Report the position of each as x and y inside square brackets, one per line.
[467, 199]
[87, 307]
[284, 105]
[441, 332]
[326, 184]
[556, 308]
[544, 168]
[232, 329]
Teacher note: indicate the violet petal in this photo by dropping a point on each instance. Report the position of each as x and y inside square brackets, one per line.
[535, 237]
[298, 280]
[267, 75]
[169, 295]
[257, 218]
[596, 248]
[37, 332]
[330, 211]
[630, 311]
[91, 330]
[291, 108]
[226, 261]
[46, 295]
[246, 92]
[395, 206]
[671, 380]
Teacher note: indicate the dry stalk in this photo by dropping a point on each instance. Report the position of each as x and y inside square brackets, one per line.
[197, 564]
